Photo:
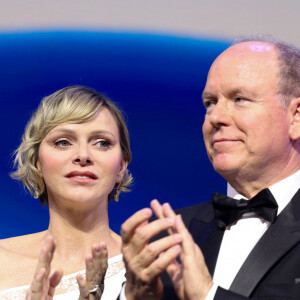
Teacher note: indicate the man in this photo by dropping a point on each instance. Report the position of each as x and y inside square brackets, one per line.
[252, 136]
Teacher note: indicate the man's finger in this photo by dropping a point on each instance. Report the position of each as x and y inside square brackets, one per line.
[160, 264]
[157, 209]
[187, 240]
[143, 234]
[163, 211]
[128, 227]
[153, 250]
[174, 270]
[168, 211]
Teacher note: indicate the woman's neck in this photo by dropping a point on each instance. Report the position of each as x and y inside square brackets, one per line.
[75, 231]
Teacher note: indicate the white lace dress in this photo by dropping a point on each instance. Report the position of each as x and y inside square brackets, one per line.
[68, 288]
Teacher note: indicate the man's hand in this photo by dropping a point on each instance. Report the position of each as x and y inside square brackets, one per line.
[191, 278]
[43, 286]
[96, 266]
[146, 262]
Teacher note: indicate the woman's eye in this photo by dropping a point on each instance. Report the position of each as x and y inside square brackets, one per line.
[103, 143]
[61, 143]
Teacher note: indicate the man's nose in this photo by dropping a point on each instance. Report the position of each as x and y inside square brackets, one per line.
[220, 114]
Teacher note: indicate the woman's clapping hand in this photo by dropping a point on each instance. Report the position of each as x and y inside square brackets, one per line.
[92, 287]
[43, 286]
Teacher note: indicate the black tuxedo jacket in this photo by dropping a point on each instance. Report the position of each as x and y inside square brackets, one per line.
[272, 269]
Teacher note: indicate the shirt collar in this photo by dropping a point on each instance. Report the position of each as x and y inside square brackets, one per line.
[283, 191]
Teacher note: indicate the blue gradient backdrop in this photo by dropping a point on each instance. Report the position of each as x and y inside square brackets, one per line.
[156, 79]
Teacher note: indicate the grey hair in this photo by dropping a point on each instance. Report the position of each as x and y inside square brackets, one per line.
[289, 64]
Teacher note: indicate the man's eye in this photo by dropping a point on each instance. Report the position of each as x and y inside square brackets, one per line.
[61, 143]
[103, 143]
[239, 99]
[208, 103]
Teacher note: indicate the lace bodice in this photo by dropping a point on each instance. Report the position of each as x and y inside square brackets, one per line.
[68, 288]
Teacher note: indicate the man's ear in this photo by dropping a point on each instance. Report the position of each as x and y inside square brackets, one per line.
[294, 112]
[123, 168]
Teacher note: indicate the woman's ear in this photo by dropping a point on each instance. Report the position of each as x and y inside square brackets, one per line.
[39, 168]
[294, 111]
[122, 170]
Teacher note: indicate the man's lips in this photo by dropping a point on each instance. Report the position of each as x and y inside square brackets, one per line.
[223, 140]
[79, 175]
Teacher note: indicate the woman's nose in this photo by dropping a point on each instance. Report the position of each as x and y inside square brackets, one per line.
[83, 157]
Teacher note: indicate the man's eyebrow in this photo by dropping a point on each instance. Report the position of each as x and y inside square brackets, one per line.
[206, 95]
[236, 92]
[241, 91]
[231, 93]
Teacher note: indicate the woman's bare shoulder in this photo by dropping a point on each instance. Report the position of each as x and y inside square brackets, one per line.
[18, 257]
[22, 245]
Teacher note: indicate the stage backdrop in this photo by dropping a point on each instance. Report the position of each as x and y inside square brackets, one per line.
[156, 79]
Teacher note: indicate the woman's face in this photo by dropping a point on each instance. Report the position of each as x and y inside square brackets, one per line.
[80, 163]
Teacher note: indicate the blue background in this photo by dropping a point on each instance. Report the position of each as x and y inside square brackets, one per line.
[156, 79]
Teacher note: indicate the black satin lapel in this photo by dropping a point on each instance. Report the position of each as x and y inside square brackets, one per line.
[208, 237]
[211, 250]
[267, 251]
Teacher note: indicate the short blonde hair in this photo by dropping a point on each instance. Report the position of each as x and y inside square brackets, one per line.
[74, 104]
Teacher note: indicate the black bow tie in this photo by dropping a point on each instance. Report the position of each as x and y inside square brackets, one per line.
[228, 210]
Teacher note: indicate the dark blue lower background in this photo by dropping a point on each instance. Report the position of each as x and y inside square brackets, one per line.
[156, 79]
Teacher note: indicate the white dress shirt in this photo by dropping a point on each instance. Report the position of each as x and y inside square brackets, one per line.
[241, 237]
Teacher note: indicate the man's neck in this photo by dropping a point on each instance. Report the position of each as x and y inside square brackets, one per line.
[283, 191]
[249, 187]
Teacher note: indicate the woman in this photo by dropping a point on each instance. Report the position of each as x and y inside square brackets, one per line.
[73, 157]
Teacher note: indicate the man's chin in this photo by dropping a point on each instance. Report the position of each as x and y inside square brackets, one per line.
[226, 171]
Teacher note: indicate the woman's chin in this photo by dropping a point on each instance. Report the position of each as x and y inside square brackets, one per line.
[79, 199]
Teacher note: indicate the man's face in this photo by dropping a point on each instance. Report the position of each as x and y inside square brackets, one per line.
[246, 127]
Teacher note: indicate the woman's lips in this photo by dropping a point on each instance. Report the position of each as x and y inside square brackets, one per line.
[80, 176]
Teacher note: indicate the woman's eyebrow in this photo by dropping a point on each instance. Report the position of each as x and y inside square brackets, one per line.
[70, 131]
[102, 132]
[62, 130]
